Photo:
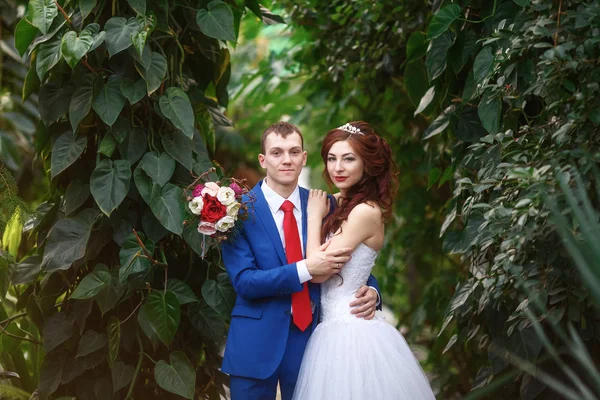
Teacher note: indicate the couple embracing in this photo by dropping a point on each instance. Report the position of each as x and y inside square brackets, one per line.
[301, 267]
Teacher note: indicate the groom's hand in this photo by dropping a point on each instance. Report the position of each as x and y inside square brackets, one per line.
[324, 263]
[366, 303]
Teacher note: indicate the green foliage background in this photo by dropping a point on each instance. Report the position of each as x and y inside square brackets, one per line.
[492, 110]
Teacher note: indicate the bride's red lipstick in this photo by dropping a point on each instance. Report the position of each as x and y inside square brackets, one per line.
[340, 178]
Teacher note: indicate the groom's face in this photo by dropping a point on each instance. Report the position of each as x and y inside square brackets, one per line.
[283, 159]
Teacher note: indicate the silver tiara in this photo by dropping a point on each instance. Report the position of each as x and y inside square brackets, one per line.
[351, 129]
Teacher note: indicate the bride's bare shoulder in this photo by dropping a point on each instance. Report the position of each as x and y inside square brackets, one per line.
[366, 212]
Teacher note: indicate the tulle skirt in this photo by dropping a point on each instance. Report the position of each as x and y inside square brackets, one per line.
[362, 360]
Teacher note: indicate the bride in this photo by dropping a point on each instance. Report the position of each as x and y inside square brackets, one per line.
[348, 357]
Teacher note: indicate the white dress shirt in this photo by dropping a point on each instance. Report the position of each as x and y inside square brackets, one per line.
[274, 200]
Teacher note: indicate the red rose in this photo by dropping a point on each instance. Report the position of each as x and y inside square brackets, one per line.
[213, 209]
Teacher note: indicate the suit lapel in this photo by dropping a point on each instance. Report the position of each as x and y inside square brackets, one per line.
[263, 214]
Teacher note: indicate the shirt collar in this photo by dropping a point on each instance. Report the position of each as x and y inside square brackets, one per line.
[275, 200]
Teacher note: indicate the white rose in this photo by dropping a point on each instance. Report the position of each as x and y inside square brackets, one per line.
[226, 196]
[196, 205]
[225, 223]
[207, 228]
[233, 209]
[210, 188]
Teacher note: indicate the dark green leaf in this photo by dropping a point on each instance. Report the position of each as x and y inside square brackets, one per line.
[523, 3]
[434, 175]
[109, 183]
[217, 21]
[81, 102]
[121, 375]
[134, 146]
[437, 55]
[108, 145]
[152, 227]
[483, 64]
[442, 20]
[112, 293]
[130, 256]
[416, 46]
[92, 283]
[66, 151]
[167, 206]
[219, 295]
[163, 313]
[90, 342]
[179, 111]
[48, 55]
[155, 73]
[67, 240]
[439, 124]
[139, 6]
[32, 80]
[182, 291]
[108, 101]
[159, 168]
[86, 6]
[134, 92]
[139, 41]
[54, 101]
[415, 81]
[75, 47]
[207, 321]
[27, 270]
[25, 32]
[195, 239]
[179, 377]
[42, 13]
[50, 373]
[119, 32]
[178, 146]
[489, 111]
[469, 127]
[57, 330]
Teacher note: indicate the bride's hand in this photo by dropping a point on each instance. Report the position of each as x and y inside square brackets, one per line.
[318, 204]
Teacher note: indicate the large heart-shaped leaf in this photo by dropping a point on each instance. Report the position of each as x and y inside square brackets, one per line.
[163, 313]
[67, 240]
[90, 342]
[121, 375]
[50, 373]
[178, 146]
[179, 377]
[66, 151]
[152, 227]
[77, 193]
[207, 321]
[27, 270]
[437, 54]
[81, 102]
[167, 207]
[216, 21]
[130, 256]
[54, 101]
[159, 168]
[118, 33]
[219, 295]
[133, 91]
[108, 101]
[42, 13]
[155, 73]
[182, 291]
[48, 55]
[92, 283]
[179, 111]
[108, 145]
[86, 6]
[109, 183]
[442, 20]
[416, 46]
[57, 329]
[32, 80]
[75, 47]
[143, 183]
[25, 32]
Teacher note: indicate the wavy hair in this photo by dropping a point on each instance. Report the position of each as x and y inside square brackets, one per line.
[379, 182]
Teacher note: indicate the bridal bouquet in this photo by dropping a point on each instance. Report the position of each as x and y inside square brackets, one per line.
[217, 207]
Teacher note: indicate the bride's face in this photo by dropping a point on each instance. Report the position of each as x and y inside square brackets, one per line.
[344, 166]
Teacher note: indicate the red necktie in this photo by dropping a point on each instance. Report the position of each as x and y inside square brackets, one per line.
[301, 311]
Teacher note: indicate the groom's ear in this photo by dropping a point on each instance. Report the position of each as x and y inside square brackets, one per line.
[304, 158]
[261, 160]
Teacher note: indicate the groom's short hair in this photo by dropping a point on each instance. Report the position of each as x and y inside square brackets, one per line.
[280, 128]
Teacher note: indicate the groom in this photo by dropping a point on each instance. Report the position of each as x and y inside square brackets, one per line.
[277, 305]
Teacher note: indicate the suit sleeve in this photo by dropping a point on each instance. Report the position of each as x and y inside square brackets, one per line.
[372, 281]
[251, 282]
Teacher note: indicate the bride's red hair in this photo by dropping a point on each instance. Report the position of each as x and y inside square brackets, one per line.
[379, 182]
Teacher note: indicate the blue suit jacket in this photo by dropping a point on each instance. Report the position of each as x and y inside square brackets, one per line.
[264, 281]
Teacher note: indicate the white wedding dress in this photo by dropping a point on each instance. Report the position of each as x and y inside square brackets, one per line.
[349, 358]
